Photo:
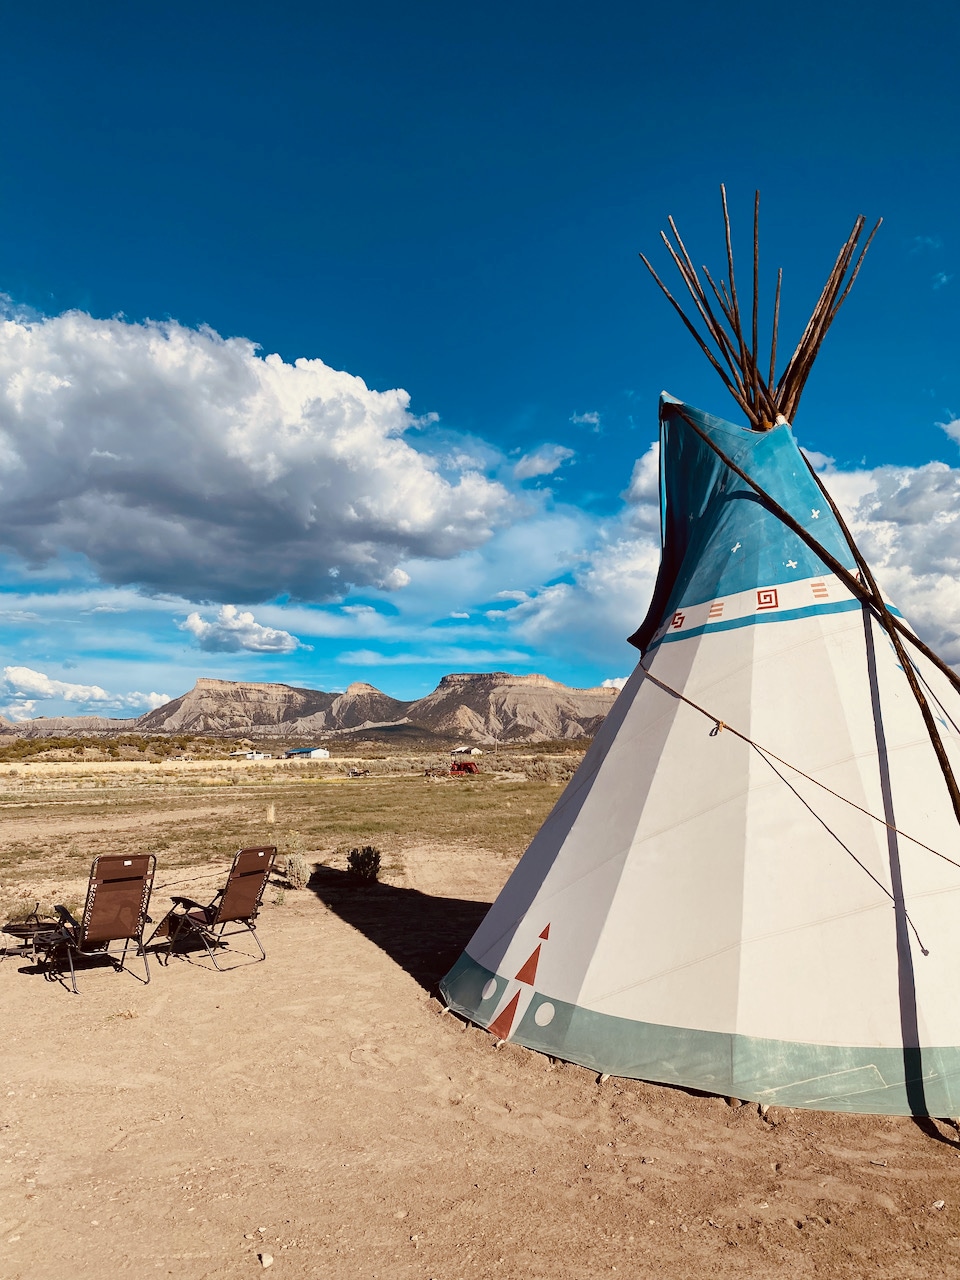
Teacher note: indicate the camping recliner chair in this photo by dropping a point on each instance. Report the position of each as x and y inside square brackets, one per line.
[236, 904]
[115, 911]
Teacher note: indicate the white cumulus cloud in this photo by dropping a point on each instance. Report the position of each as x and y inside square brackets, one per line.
[27, 686]
[615, 682]
[906, 521]
[19, 709]
[644, 486]
[233, 629]
[149, 700]
[542, 462]
[25, 680]
[605, 593]
[179, 461]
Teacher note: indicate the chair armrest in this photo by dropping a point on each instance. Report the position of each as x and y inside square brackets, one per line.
[188, 902]
[66, 917]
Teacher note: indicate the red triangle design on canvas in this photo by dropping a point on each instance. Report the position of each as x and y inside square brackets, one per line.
[528, 970]
[501, 1026]
[546, 933]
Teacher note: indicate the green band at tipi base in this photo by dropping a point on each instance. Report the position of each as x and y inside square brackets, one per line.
[824, 1077]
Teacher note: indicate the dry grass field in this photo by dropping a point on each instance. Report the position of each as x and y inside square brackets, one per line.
[319, 1115]
[57, 816]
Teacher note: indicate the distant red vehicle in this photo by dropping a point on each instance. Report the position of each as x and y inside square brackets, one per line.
[460, 767]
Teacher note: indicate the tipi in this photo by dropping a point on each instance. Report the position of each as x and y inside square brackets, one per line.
[752, 884]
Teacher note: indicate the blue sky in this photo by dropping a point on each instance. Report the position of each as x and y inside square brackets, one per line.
[447, 203]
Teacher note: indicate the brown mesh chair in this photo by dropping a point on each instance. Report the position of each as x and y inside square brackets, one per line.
[115, 911]
[236, 904]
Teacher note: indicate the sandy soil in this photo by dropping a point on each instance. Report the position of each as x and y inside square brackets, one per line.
[323, 1110]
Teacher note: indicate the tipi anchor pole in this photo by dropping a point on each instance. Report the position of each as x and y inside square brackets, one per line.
[849, 580]
[735, 391]
[868, 577]
[889, 625]
[868, 595]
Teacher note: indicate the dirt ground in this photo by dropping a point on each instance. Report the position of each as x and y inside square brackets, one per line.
[322, 1110]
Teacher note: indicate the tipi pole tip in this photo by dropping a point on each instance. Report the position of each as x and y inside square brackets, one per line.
[762, 399]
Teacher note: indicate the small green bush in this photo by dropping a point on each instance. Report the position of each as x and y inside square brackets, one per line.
[364, 864]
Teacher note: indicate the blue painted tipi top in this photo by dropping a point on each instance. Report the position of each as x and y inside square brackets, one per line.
[717, 537]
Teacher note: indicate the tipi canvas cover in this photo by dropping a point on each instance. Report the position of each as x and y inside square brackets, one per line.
[752, 884]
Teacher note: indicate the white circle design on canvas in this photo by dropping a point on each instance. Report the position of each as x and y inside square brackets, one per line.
[544, 1014]
[489, 989]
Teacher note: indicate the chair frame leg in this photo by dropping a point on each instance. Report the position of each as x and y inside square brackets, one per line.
[202, 934]
[251, 929]
[142, 953]
[212, 940]
[119, 962]
[256, 938]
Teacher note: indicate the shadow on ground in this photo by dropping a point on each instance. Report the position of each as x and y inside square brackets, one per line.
[934, 1129]
[426, 935]
[423, 935]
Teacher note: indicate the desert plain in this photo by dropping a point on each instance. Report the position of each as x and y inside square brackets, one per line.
[321, 1115]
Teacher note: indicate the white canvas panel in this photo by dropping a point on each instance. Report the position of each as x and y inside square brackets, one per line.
[585, 838]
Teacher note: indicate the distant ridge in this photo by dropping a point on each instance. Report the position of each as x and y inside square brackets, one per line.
[475, 706]
[486, 706]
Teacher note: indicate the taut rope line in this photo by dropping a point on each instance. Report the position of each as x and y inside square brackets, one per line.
[768, 755]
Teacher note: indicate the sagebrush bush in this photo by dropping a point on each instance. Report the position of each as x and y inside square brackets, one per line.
[297, 871]
[21, 911]
[541, 770]
[364, 864]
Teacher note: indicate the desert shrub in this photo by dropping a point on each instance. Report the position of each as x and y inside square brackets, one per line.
[542, 770]
[364, 864]
[21, 911]
[297, 871]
